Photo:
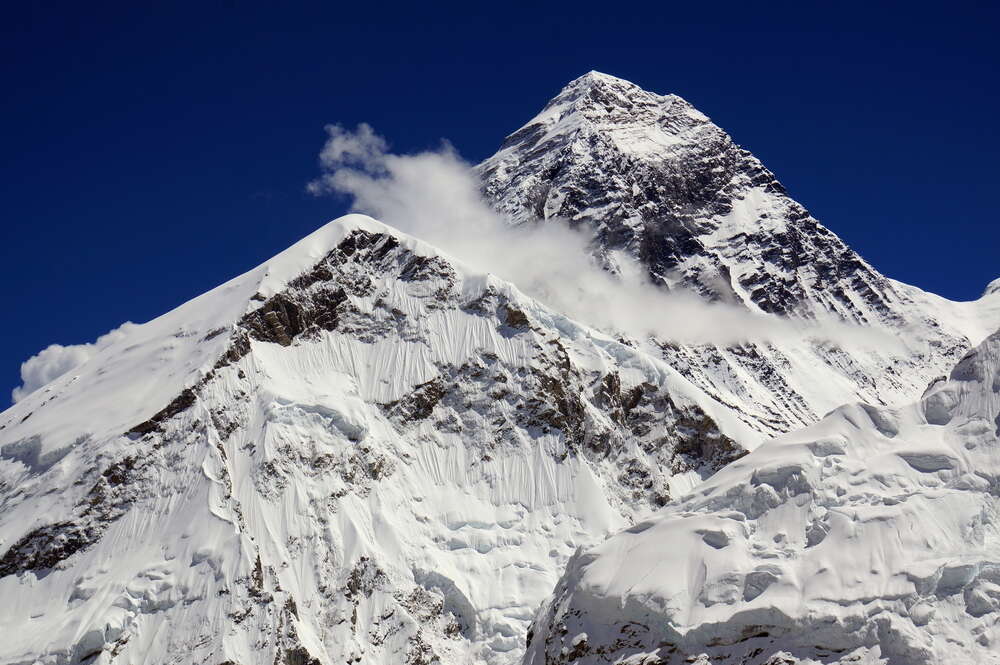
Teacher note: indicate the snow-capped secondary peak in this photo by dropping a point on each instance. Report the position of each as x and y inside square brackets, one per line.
[992, 288]
[359, 451]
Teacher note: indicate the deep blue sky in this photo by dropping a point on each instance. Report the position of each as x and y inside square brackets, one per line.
[150, 154]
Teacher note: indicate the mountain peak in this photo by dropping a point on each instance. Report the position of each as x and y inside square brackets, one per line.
[606, 102]
[303, 464]
[595, 78]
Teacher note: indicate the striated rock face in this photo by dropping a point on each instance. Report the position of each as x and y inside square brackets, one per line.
[656, 178]
[357, 452]
[873, 536]
[657, 182]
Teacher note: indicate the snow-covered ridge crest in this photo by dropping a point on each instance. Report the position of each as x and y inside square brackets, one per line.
[150, 364]
[323, 459]
[873, 536]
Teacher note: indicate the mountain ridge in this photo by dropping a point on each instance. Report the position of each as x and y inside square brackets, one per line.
[367, 430]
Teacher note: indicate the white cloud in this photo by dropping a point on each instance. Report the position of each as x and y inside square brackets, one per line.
[55, 360]
[362, 147]
[435, 196]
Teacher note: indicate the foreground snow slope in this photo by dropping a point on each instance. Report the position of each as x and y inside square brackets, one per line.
[872, 537]
[656, 181]
[360, 451]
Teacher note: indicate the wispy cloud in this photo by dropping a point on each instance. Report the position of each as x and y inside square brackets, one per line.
[435, 196]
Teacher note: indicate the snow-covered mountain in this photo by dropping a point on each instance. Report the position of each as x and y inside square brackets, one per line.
[365, 451]
[871, 537]
[361, 451]
[659, 183]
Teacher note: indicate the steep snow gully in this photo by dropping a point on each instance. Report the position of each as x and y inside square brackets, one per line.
[366, 451]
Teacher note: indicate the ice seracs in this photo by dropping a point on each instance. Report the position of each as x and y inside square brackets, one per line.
[873, 536]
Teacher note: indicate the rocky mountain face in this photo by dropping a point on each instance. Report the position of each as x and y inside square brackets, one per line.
[364, 451]
[871, 537]
[657, 182]
[656, 179]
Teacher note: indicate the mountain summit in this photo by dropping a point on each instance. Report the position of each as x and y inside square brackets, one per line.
[653, 176]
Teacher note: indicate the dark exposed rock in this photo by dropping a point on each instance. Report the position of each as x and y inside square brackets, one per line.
[257, 578]
[183, 401]
[364, 579]
[299, 656]
[555, 405]
[45, 547]
[421, 268]
[120, 472]
[239, 346]
[212, 334]
[419, 404]
[515, 318]
[419, 652]
[278, 321]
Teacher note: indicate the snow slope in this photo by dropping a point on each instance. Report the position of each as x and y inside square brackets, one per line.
[360, 451]
[870, 537]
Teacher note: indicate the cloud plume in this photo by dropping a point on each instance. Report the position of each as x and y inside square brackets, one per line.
[435, 196]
